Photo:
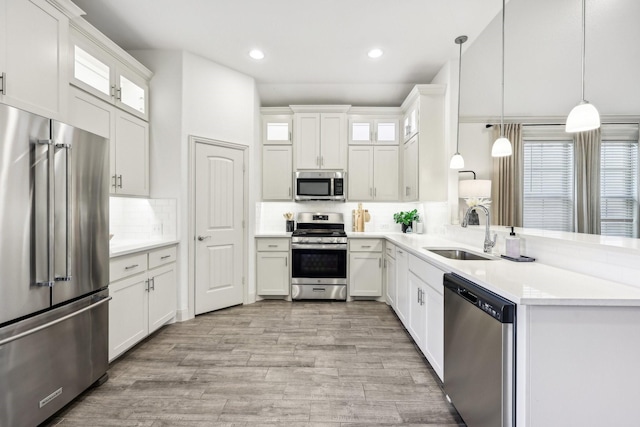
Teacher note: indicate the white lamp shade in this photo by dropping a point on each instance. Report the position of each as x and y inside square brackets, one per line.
[501, 147]
[474, 188]
[457, 162]
[583, 117]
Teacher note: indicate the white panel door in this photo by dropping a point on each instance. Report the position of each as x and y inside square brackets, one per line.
[360, 173]
[219, 204]
[417, 311]
[385, 178]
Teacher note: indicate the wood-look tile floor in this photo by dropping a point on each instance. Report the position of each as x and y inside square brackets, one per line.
[271, 363]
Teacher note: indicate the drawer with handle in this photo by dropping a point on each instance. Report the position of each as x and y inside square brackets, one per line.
[162, 256]
[272, 244]
[128, 265]
[365, 245]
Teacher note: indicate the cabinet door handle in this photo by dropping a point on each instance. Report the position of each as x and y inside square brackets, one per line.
[370, 191]
[406, 192]
[165, 257]
[318, 160]
[379, 262]
[146, 285]
[321, 160]
[3, 85]
[120, 179]
[115, 180]
[385, 263]
[119, 94]
[400, 252]
[273, 246]
[365, 246]
[112, 92]
[286, 262]
[289, 191]
[375, 192]
[129, 267]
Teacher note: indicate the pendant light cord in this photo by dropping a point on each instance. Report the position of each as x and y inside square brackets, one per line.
[583, 43]
[502, 110]
[459, 90]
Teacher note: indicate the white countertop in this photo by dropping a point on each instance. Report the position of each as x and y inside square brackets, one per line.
[526, 283]
[126, 247]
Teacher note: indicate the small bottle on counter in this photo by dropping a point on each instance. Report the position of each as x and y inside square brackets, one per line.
[512, 245]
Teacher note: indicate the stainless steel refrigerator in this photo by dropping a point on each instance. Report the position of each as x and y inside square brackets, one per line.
[54, 265]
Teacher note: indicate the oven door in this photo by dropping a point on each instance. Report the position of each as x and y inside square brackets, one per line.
[319, 264]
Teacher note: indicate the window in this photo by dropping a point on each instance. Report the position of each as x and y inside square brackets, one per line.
[619, 188]
[548, 179]
[548, 201]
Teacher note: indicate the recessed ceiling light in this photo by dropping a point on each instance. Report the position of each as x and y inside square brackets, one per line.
[256, 54]
[375, 53]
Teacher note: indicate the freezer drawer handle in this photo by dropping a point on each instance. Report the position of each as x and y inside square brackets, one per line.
[55, 322]
[48, 284]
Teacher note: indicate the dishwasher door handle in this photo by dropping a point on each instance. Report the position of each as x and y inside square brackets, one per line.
[468, 296]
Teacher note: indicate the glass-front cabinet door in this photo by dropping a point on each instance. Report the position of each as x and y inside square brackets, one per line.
[277, 129]
[373, 131]
[96, 71]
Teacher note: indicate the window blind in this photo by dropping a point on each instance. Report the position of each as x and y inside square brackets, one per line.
[548, 185]
[618, 188]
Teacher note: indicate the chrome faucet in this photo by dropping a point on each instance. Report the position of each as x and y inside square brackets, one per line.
[488, 243]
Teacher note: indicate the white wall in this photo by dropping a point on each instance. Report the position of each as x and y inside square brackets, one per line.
[542, 60]
[192, 96]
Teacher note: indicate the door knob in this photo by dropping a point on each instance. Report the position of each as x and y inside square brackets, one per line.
[203, 238]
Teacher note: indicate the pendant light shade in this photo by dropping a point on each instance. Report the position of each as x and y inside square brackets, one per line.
[502, 146]
[584, 116]
[457, 162]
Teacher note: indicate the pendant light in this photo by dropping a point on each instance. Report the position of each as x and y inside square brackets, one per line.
[584, 116]
[457, 162]
[502, 146]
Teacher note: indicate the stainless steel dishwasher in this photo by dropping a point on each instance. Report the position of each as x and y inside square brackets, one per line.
[479, 353]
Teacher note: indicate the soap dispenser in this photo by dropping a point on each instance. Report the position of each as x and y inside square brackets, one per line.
[512, 245]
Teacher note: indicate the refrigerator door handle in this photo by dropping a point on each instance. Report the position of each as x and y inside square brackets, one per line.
[54, 322]
[62, 235]
[45, 229]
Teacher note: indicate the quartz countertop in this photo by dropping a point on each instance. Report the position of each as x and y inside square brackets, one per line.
[273, 234]
[126, 247]
[525, 283]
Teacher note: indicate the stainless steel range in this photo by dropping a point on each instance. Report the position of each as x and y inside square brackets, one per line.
[319, 253]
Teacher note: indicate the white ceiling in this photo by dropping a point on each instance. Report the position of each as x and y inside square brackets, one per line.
[316, 50]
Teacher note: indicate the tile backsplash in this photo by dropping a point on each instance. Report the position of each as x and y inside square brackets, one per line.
[142, 219]
[269, 215]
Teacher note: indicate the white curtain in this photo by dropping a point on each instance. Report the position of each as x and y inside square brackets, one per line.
[506, 192]
[587, 171]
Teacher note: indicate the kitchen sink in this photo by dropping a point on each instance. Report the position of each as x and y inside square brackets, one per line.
[460, 254]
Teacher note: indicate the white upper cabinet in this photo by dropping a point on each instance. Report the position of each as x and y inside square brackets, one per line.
[373, 131]
[106, 76]
[373, 173]
[34, 38]
[320, 140]
[411, 121]
[277, 173]
[277, 129]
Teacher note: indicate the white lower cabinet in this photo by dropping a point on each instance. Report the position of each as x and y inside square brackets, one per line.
[365, 267]
[273, 266]
[426, 321]
[417, 311]
[143, 291]
[390, 273]
[402, 285]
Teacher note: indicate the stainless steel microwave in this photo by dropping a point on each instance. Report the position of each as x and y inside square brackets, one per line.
[320, 185]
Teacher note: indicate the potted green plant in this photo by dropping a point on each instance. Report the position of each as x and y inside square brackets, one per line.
[406, 218]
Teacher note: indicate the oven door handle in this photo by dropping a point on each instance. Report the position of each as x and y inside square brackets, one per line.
[338, 246]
